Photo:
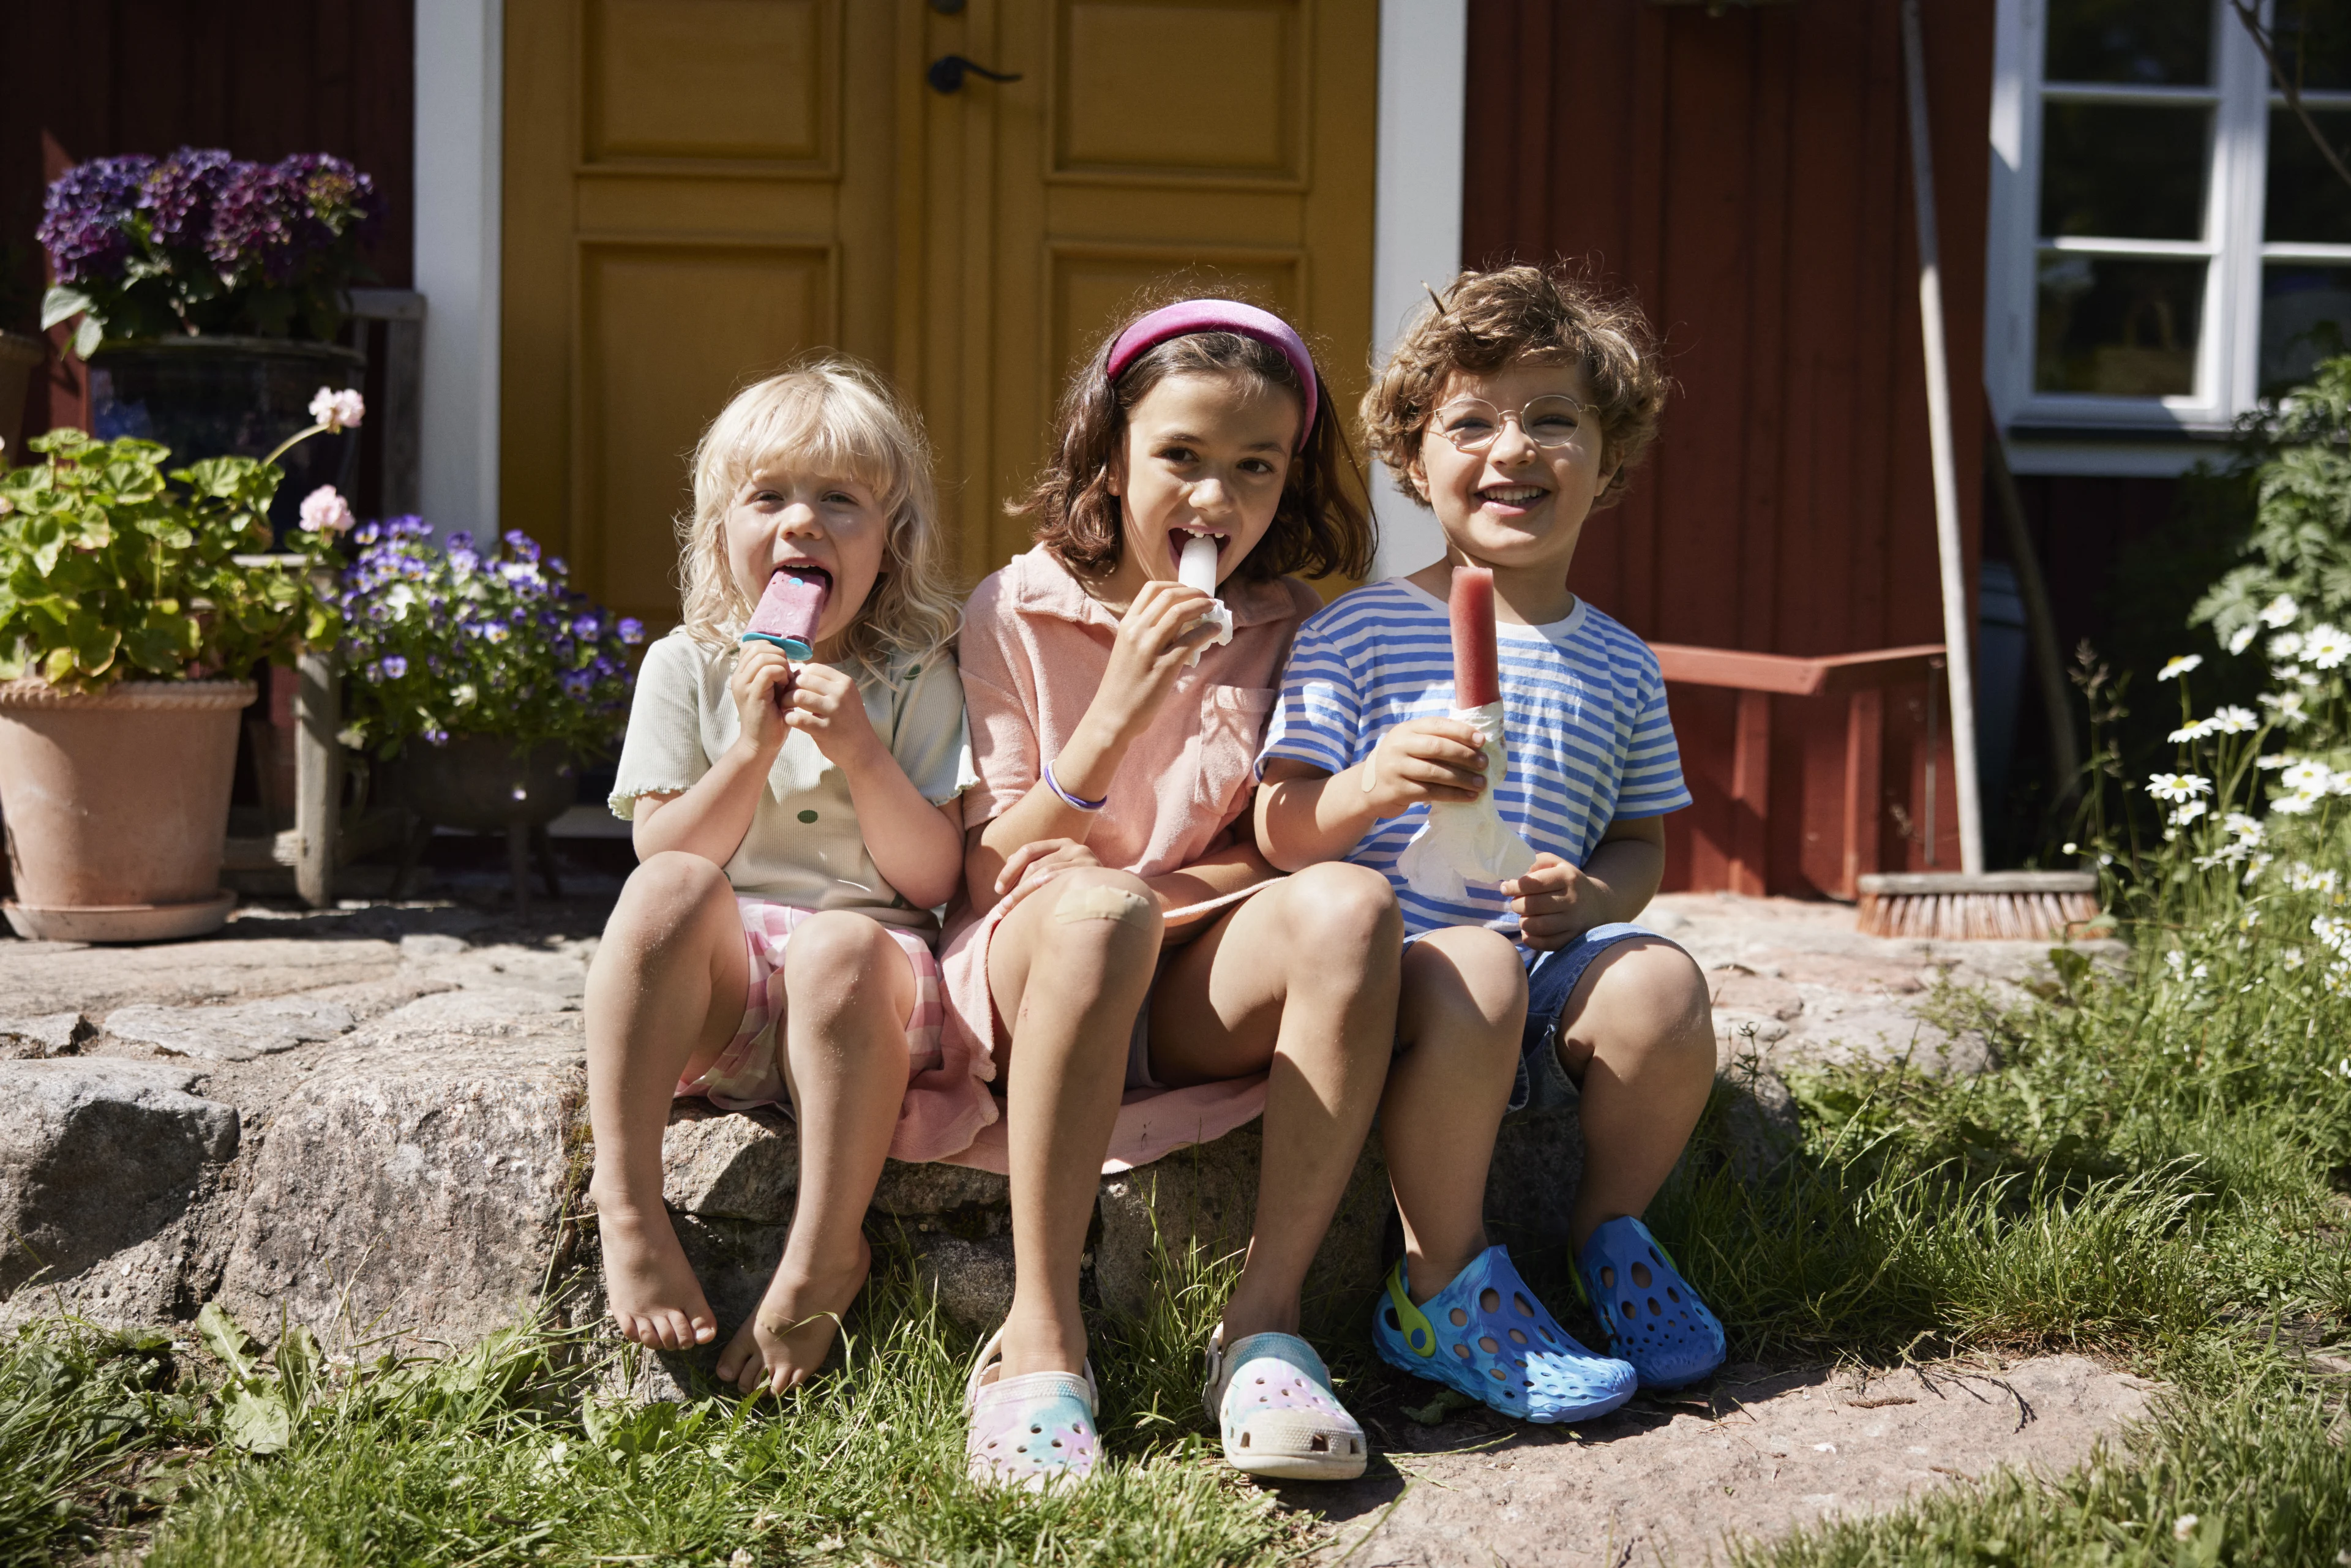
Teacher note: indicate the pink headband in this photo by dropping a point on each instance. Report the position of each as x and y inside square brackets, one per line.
[1189, 316]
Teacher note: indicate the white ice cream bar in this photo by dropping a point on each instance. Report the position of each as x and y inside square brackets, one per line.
[1198, 568]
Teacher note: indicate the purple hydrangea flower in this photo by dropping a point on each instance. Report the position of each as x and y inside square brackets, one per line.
[179, 193]
[85, 217]
[253, 228]
[331, 198]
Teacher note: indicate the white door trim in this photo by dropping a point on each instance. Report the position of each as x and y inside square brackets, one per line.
[460, 150]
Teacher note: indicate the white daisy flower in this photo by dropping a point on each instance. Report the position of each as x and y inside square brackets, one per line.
[2243, 637]
[2239, 825]
[2326, 647]
[2195, 731]
[2308, 777]
[2295, 805]
[2187, 813]
[2286, 645]
[2176, 786]
[2289, 709]
[2234, 720]
[2280, 612]
[2178, 665]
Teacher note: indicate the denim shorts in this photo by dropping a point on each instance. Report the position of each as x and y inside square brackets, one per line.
[1551, 981]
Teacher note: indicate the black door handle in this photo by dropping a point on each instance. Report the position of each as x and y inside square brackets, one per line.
[947, 73]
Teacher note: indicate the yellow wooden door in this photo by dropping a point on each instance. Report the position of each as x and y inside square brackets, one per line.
[1228, 142]
[697, 189]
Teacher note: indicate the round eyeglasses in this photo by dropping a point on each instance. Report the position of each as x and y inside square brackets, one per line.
[1472, 423]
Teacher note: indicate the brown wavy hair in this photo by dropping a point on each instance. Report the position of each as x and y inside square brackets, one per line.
[1484, 320]
[1320, 528]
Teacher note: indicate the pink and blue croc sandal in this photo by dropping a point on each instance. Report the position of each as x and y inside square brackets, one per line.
[1270, 1397]
[1032, 1432]
[1653, 1317]
[1487, 1336]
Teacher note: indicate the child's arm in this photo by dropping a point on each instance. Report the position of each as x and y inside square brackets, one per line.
[1556, 902]
[710, 819]
[917, 847]
[1305, 815]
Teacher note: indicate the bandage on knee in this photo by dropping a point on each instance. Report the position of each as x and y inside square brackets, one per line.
[1100, 902]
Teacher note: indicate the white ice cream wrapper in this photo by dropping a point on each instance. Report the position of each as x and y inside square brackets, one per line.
[1196, 567]
[1465, 842]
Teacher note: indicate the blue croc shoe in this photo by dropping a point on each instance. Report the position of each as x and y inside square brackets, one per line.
[1653, 1317]
[1486, 1335]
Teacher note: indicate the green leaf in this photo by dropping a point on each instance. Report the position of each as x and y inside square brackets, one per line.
[88, 336]
[227, 1342]
[257, 1421]
[62, 304]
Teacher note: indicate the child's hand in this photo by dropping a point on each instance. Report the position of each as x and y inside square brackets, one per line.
[1155, 637]
[1545, 901]
[1423, 760]
[825, 704]
[1031, 866]
[762, 678]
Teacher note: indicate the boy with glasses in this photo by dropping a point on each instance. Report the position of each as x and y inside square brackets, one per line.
[1514, 408]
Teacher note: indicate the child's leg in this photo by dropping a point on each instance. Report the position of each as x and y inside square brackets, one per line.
[1460, 1020]
[849, 990]
[1638, 1034]
[665, 997]
[1067, 971]
[1299, 982]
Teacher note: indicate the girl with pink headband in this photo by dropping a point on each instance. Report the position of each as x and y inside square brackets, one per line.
[1126, 966]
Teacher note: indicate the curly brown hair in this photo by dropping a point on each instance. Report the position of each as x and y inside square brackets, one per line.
[1320, 528]
[1487, 320]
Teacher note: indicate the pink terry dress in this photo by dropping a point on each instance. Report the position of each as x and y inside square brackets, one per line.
[1033, 651]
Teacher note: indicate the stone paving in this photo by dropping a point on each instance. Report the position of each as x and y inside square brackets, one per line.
[370, 1120]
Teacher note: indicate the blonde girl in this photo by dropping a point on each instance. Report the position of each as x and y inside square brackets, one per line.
[810, 806]
[1127, 959]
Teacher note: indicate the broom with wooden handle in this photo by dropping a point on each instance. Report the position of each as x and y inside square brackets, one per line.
[1970, 903]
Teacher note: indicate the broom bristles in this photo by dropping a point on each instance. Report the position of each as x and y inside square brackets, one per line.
[1976, 916]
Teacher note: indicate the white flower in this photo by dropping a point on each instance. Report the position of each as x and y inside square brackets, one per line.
[2234, 720]
[2291, 959]
[2180, 665]
[2188, 732]
[2303, 877]
[2186, 813]
[463, 693]
[2286, 645]
[2176, 786]
[337, 410]
[2326, 647]
[2240, 826]
[2243, 637]
[2338, 975]
[2252, 917]
[2308, 777]
[2344, 1069]
[2275, 759]
[2296, 805]
[2333, 933]
[2176, 961]
[2069, 847]
[2183, 1527]
[2261, 863]
[2288, 708]
[2280, 612]
[324, 511]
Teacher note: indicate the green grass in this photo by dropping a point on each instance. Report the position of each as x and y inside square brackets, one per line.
[2153, 1172]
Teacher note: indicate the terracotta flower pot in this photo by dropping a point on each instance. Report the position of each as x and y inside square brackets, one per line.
[117, 806]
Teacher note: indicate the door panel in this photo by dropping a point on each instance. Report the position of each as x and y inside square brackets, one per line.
[698, 190]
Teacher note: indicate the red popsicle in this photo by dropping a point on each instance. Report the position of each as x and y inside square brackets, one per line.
[1477, 674]
[789, 609]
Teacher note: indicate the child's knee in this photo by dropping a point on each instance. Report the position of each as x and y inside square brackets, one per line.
[1655, 996]
[1096, 914]
[1339, 914]
[838, 954]
[1470, 968]
[663, 898]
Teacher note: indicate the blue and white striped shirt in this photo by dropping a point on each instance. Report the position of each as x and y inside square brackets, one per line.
[1584, 704]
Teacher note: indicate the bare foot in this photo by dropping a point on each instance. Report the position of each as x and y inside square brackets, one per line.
[655, 1299]
[781, 1345]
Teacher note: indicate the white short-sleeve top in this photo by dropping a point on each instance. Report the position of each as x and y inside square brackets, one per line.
[804, 847]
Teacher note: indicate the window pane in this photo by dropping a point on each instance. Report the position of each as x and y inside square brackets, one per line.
[2308, 200]
[2166, 42]
[2118, 326]
[2305, 316]
[2315, 43]
[2123, 171]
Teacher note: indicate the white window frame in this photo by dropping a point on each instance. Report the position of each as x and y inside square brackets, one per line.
[2228, 361]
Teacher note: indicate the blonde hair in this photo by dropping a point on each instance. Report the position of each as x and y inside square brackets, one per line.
[834, 416]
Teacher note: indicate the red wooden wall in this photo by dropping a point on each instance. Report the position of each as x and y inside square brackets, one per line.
[1747, 176]
[91, 78]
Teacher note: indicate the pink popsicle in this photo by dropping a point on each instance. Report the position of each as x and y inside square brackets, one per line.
[1477, 679]
[788, 612]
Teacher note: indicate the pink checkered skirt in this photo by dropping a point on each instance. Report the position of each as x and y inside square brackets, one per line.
[750, 1071]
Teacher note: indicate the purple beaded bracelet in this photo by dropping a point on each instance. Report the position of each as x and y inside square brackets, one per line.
[1068, 799]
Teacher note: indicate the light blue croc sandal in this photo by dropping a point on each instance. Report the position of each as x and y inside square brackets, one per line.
[1488, 1336]
[1031, 1432]
[1270, 1397]
[1653, 1317]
